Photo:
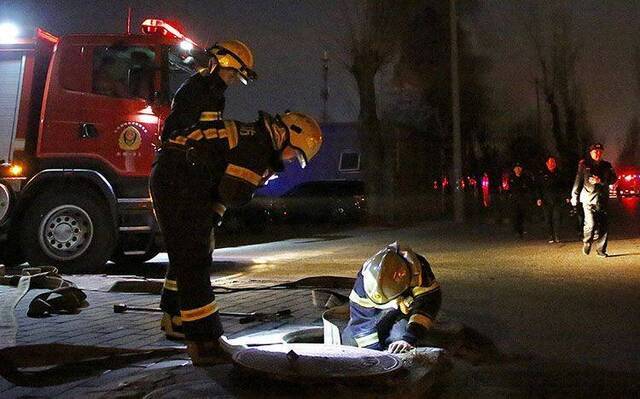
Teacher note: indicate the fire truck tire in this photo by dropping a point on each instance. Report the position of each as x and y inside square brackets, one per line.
[70, 230]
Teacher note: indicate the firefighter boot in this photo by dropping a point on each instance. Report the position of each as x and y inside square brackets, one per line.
[172, 326]
[210, 353]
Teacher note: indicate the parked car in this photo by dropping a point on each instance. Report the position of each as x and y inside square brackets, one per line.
[254, 217]
[335, 201]
[628, 185]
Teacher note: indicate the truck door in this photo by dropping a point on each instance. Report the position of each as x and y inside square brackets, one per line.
[11, 74]
[99, 110]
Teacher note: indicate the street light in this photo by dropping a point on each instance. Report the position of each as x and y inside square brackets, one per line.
[8, 32]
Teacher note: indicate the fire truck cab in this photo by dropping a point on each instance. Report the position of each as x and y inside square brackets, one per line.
[80, 117]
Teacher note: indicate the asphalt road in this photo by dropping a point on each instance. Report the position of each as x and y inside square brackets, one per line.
[548, 303]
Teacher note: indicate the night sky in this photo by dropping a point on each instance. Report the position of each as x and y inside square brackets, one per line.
[288, 38]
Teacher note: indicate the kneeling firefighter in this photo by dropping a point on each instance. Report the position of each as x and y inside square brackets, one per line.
[206, 164]
[394, 301]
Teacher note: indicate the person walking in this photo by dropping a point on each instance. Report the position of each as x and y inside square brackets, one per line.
[591, 188]
[550, 197]
[521, 192]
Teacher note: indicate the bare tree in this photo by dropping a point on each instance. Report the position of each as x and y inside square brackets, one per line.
[375, 28]
[556, 52]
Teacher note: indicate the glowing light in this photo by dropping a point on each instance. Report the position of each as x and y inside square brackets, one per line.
[186, 45]
[8, 32]
[628, 177]
[15, 170]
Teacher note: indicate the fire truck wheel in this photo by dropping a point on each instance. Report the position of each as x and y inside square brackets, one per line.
[71, 230]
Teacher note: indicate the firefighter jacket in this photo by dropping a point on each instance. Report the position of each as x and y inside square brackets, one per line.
[551, 187]
[419, 304]
[197, 95]
[238, 156]
[593, 193]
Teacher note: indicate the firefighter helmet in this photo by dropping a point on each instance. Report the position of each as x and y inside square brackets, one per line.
[305, 137]
[235, 55]
[386, 275]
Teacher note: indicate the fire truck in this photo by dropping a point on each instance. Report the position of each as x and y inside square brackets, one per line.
[80, 117]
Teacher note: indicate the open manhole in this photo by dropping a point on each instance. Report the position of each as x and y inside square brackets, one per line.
[305, 336]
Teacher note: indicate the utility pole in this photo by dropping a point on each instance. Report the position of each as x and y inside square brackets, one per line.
[325, 89]
[458, 194]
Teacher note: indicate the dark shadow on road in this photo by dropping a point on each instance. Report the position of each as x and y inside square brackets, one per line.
[158, 269]
[626, 254]
[325, 232]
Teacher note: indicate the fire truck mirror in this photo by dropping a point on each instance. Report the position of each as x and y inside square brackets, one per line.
[88, 131]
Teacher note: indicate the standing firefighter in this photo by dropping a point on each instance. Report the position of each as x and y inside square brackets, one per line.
[551, 196]
[394, 301]
[205, 165]
[591, 188]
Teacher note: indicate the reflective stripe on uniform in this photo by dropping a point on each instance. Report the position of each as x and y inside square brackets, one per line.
[367, 340]
[178, 140]
[219, 208]
[245, 174]
[232, 133]
[195, 135]
[210, 116]
[368, 303]
[417, 291]
[170, 285]
[423, 320]
[199, 313]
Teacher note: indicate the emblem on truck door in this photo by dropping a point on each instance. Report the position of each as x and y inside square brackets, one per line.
[130, 139]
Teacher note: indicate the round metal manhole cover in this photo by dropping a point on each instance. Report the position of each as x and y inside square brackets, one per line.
[303, 363]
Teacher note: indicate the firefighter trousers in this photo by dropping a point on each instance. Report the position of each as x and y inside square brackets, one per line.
[182, 193]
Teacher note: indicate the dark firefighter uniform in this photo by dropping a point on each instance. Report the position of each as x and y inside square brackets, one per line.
[205, 165]
[594, 198]
[551, 190]
[406, 317]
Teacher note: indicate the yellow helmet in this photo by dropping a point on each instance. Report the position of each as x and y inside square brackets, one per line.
[386, 275]
[235, 55]
[305, 137]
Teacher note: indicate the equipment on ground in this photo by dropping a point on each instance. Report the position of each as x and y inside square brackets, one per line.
[244, 317]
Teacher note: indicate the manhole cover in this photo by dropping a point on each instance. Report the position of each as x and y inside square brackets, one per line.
[305, 363]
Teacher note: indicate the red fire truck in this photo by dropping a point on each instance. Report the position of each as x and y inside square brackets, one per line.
[79, 122]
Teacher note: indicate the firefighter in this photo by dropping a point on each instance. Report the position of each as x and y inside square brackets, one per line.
[550, 197]
[521, 191]
[201, 97]
[394, 301]
[198, 173]
[591, 188]
[201, 100]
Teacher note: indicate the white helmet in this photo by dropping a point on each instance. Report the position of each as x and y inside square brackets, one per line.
[386, 275]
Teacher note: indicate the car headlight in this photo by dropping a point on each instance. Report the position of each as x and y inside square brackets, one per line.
[5, 201]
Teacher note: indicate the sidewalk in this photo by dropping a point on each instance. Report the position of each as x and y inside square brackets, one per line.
[98, 325]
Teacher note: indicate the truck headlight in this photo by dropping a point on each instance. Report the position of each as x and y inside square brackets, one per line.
[5, 201]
